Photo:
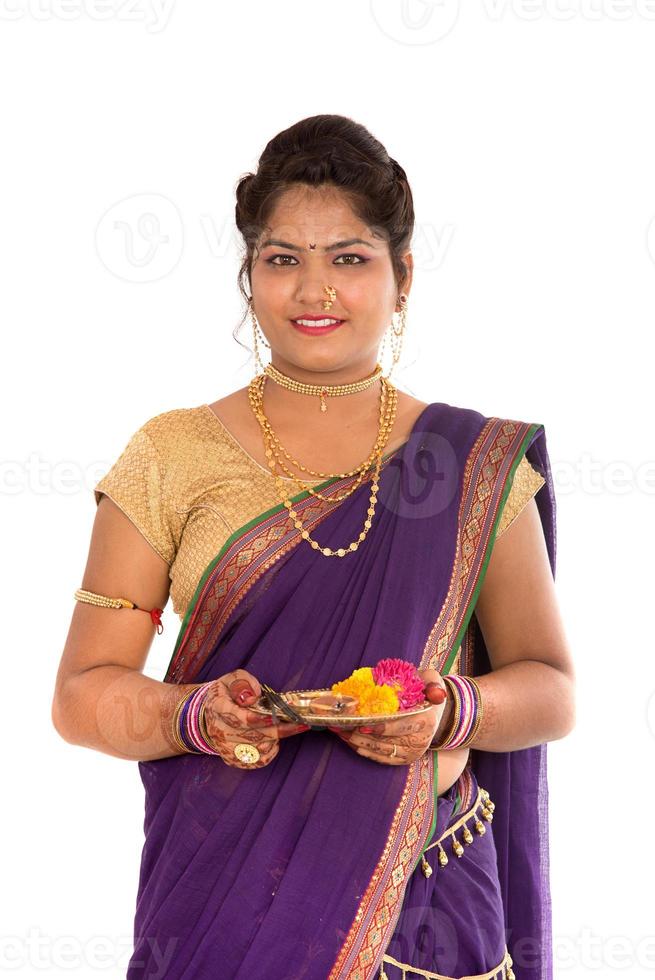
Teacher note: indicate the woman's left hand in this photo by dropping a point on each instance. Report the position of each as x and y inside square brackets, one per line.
[411, 736]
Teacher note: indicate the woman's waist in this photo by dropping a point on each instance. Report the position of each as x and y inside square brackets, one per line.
[451, 763]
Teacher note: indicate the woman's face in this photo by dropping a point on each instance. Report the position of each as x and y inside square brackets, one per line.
[288, 280]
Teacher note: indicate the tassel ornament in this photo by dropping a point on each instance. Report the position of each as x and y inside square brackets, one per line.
[485, 805]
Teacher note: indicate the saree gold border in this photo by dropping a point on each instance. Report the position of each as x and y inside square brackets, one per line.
[484, 460]
[393, 868]
[501, 971]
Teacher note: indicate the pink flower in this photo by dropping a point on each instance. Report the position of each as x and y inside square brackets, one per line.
[403, 677]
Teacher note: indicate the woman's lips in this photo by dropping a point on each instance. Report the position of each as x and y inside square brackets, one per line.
[316, 331]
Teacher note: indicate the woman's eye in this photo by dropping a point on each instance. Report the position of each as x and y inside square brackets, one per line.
[272, 261]
[351, 255]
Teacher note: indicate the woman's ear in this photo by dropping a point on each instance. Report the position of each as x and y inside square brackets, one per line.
[406, 284]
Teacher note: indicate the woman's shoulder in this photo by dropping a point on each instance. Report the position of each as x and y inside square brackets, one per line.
[527, 478]
[170, 422]
[177, 431]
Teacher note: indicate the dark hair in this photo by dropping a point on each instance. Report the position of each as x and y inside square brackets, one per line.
[335, 151]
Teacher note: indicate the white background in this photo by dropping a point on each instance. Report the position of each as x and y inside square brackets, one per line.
[526, 130]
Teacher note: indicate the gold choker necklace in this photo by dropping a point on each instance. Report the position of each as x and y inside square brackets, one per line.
[322, 390]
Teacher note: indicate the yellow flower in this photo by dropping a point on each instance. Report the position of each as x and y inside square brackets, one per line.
[359, 680]
[378, 700]
[373, 699]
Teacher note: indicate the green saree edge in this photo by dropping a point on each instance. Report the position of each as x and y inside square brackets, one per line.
[228, 543]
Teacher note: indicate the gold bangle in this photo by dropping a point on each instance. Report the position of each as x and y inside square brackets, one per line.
[177, 737]
[174, 726]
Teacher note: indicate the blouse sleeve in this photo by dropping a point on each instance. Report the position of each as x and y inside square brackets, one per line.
[136, 484]
[527, 481]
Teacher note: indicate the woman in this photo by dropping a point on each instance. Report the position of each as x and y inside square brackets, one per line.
[284, 851]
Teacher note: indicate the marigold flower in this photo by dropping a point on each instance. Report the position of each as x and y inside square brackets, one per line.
[358, 681]
[378, 700]
[390, 686]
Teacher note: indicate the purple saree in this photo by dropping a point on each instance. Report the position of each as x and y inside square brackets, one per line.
[312, 867]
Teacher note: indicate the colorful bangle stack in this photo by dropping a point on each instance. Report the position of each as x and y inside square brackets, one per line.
[467, 716]
[189, 731]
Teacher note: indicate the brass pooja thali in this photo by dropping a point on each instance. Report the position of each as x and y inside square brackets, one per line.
[319, 707]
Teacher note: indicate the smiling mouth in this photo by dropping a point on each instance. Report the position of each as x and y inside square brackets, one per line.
[323, 322]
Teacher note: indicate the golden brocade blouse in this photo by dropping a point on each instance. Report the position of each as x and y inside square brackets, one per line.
[187, 484]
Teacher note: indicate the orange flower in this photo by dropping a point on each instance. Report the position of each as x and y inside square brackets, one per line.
[378, 700]
[372, 698]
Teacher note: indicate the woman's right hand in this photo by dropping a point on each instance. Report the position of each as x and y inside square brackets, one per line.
[228, 720]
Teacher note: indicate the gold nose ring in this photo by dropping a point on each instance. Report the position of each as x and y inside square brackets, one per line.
[327, 303]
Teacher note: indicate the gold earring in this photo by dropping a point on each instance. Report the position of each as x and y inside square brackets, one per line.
[327, 303]
[396, 335]
[255, 328]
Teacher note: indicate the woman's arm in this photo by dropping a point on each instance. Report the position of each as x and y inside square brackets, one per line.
[102, 699]
[529, 697]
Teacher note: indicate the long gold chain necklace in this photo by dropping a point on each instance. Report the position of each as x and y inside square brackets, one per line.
[293, 514]
[274, 449]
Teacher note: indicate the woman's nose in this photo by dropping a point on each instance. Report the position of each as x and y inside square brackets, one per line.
[313, 294]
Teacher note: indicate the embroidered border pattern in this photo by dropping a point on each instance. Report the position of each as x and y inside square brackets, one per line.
[379, 909]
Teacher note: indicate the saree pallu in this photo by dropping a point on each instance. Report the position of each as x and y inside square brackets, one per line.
[314, 865]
